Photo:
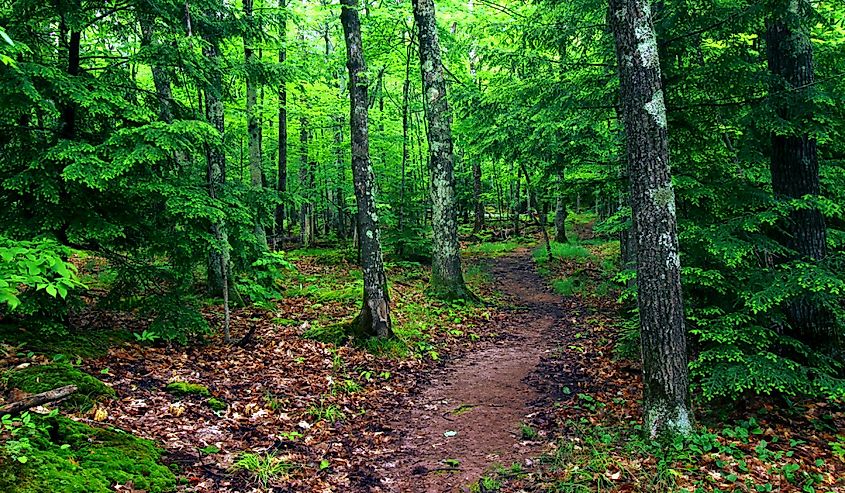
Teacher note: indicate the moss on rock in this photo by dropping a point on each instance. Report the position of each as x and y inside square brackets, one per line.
[72, 457]
[41, 378]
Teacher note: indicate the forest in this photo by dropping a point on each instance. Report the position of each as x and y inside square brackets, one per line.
[422, 246]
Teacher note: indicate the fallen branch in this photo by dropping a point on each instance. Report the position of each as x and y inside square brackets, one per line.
[38, 399]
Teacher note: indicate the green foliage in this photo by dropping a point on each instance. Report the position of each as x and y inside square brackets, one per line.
[72, 457]
[41, 378]
[262, 468]
[185, 388]
[35, 281]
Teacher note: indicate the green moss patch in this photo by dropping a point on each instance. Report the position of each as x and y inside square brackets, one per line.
[216, 404]
[72, 457]
[185, 388]
[41, 378]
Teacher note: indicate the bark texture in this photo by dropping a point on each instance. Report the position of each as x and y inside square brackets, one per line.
[282, 172]
[218, 260]
[447, 279]
[253, 126]
[794, 161]
[374, 319]
[666, 402]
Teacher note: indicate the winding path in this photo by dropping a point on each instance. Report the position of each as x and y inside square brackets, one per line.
[469, 417]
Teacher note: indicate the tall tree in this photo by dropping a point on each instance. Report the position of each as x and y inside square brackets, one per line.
[794, 160]
[282, 173]
[218, 262]
[253, 123]
[447, 278]
[306, 208]
[666, 401]
[375, 310]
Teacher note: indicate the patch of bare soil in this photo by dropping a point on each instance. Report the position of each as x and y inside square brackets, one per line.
[470, 416]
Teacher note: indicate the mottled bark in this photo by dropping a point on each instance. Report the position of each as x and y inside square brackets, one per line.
[560, 211]
[794, 161]
[447, 279]
[374, 319]
[253, 126]
[666, 401]
[218, 261]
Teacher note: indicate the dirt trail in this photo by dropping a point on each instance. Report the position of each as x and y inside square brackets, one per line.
[473, 409]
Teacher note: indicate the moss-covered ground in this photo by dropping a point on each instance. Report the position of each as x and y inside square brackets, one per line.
[62, 455]
[41, 378]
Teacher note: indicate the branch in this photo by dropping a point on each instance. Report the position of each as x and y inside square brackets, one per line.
[38, 399]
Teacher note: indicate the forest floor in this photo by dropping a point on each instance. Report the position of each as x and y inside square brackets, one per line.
[526, 392]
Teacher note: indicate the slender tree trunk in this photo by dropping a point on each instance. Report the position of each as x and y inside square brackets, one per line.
[68, 109]
[305, 236]
[218, 261]
[666, 401]
[476, 196]
[374, 319]
[253, 126]
[447, 279]
[794, 161]
[560, 211]
[160, 78]
[406, 89]
[282, 174]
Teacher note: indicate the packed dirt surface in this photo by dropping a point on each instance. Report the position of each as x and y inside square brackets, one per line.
[469, 418]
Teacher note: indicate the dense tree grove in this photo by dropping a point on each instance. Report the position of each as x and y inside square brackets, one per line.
[187, 145]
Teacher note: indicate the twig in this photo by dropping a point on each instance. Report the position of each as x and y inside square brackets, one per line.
[38, 399]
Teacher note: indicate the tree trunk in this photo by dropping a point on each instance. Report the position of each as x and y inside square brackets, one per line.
[560, 212]
[447, 279]
[282, 176]
[666, 401]
[305, 235]
[406, 86]
[68, 109]
[476, 196]
[218, 261]
[374, 319]
[160, 78]
[253, 126]
[794, 161]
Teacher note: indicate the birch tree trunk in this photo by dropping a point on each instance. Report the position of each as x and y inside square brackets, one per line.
[666, 402]
[447, 279]
[794, 161]
[374, 319]
[253, 125]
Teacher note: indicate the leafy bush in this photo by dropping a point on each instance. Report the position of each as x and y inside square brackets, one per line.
[36, 279]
